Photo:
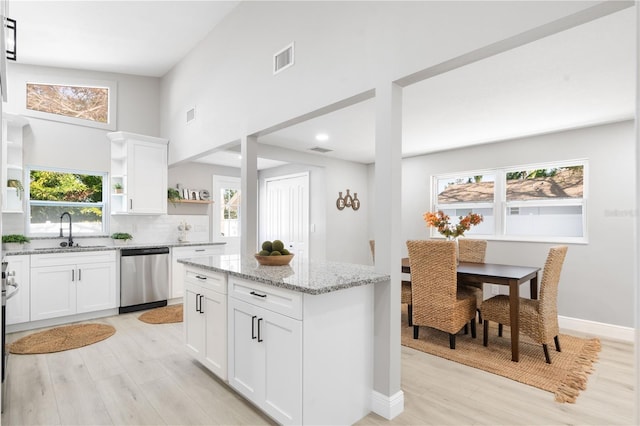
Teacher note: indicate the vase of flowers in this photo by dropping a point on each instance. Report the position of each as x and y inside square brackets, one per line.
[441, 222]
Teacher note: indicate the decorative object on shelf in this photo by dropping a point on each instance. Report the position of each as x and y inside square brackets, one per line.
[273, 254]
[15, 183]
[117, 188]
[204, 195]
[183, 228]
[10, 33]
[121, 238]
[14, 241]
[348, 201]
[173, 195]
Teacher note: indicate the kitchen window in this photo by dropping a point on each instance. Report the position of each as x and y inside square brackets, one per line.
[82, 102]
[54, 191]
[535, 202]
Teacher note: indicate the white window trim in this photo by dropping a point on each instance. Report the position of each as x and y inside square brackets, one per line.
[500, 204]
[68, 81]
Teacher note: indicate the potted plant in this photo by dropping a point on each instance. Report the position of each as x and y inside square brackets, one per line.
[173, 195]
[117, 188]
[15, 183]
[121, 238]
[14, 241]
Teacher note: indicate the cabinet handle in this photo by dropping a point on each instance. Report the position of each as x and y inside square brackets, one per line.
[79, 274]
[253, 293]
[130, 203]
[201, 297]
[200, 277]
[197, 300]
[253, 327]
[199, 249]
[259, 338]
[73, 275]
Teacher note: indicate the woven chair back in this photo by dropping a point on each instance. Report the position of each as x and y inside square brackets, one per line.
[550, 280]
[433, 273]
[473, 251]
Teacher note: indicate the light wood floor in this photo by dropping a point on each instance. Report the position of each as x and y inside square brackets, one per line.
[142, 376]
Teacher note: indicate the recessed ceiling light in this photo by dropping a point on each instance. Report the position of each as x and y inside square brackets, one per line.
[321, 137]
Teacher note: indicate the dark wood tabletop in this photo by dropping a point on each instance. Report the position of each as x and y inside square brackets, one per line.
[508, 275]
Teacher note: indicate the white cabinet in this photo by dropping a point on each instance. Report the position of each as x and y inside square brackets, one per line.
[266, 366]
[301, 358]
[177, 268]
[18, 309]
[12, 171]
[72, 283]
[205, 325]
[139, 168]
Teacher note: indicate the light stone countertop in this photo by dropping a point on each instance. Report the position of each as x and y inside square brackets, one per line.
[303, 275]
[102, 247]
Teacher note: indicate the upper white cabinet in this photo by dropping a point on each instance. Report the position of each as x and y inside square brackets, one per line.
[138, 174]
[12, 170]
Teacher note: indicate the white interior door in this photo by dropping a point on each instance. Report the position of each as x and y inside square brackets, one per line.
[287, 212]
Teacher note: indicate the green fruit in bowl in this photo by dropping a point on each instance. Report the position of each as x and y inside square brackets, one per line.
[264, 253]
[285, 252]
[278, 245]
[267, 245]
[275, 253]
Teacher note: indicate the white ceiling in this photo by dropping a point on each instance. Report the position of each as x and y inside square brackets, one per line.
[582, 76]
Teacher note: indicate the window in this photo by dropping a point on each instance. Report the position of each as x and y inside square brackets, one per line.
[227, 209]
[52, 192]
[85, 103]
[539, 202]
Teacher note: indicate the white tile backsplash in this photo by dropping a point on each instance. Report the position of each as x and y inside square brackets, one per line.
[161, 229]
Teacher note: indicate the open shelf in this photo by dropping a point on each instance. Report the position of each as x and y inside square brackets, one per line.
[192, 201]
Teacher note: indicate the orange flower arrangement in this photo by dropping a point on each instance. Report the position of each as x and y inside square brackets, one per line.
[440, 221]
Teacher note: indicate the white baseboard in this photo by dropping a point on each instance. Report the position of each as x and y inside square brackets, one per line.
[599, 329]
[387, 406]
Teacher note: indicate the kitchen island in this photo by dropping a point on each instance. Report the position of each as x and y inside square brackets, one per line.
[299, 338]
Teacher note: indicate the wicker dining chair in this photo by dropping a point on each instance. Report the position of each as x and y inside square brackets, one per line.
[538, 318]
[436, 300]
[473, 251]
[405, 295]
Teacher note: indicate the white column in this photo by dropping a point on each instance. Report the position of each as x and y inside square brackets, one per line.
[388, 398]
[637, 215]
[249, 196]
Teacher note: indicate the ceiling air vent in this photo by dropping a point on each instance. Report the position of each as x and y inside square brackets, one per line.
[283, 59]
[321, 150]
[191, 115]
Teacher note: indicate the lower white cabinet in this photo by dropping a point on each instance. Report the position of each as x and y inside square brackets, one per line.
[18, 309]
[205, 322]
[266, 366]
[177, 268]
[72, 283]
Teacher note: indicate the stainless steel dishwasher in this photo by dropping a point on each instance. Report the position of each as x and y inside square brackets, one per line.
[144, 278]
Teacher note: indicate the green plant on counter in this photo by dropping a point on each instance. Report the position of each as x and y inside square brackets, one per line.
[15, 238]
[121, 236]
[15, 183]
[173, 195]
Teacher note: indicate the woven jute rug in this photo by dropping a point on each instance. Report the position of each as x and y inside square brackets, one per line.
[164, 315]
[565, 377]
[61, 339]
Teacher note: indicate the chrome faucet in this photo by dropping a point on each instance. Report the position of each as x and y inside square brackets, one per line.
[70, 244]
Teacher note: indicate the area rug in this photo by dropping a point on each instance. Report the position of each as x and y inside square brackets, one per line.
[565, 377]
[61, 339]
[164, 315]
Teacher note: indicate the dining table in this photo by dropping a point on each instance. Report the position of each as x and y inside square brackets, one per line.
[507, 275]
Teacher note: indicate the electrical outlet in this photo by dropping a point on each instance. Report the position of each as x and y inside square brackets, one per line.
[494, 289]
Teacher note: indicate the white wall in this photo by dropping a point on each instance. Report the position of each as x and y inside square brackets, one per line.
[342, 49]
[597, 281]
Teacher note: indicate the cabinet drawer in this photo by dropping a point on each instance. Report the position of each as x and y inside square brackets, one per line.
[55, 259]
[215, 281]
[195, 251]
[279, 300]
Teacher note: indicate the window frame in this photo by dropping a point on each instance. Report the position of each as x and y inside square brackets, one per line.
[110, 85]
[104, 205]
[501, 206]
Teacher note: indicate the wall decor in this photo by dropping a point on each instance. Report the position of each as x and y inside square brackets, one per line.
[348, 201]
